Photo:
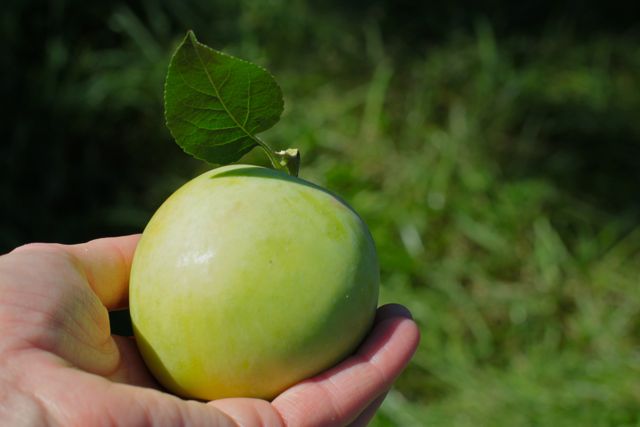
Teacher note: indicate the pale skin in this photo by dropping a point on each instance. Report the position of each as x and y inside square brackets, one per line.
[60, 365]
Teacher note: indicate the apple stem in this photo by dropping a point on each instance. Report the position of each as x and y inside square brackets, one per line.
[289, 159]
[286, 160]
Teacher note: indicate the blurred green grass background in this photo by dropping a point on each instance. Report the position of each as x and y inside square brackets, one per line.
[492, 147]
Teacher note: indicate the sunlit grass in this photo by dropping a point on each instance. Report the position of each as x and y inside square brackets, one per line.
[525, 286]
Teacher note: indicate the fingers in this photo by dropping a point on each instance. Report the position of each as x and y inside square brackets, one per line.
[107, 263]
[339, 396]
[74, 398]
[249, 412]
[140, 406]
[366, 415]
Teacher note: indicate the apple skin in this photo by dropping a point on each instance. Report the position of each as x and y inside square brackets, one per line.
[247, 281]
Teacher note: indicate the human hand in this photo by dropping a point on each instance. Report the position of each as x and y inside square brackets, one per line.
[61, 365]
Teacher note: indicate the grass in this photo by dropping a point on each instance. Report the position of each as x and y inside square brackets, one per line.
[524, 280]
[499, 177]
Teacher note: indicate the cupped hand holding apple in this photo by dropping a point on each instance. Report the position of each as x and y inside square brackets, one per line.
[61, 366]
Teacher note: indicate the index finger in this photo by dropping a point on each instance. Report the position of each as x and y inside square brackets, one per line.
[106, 264]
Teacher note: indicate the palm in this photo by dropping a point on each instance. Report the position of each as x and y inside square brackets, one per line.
[62, 365]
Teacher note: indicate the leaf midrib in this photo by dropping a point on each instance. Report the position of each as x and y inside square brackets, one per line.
[213, 85]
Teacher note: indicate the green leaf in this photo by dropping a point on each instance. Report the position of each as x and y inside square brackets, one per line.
[215, 104]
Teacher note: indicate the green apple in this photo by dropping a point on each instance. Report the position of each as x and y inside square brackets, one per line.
[247, 281]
